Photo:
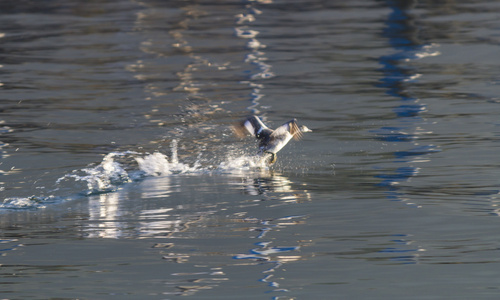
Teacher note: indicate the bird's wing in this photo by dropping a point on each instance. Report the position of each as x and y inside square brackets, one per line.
[252, 125]
[290, 127]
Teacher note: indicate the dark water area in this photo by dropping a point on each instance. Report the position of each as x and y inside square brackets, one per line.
[121, 178]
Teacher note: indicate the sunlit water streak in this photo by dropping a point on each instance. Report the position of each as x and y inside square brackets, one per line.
[257, 56]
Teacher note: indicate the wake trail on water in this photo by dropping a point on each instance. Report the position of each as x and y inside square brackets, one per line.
[119, 168]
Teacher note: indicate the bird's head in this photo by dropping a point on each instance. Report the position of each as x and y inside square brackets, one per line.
[303, 128]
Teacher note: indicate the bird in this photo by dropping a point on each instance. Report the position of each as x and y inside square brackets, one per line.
[270, 141]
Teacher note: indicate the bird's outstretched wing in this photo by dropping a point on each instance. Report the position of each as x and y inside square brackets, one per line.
[290, 127]
[252, 125]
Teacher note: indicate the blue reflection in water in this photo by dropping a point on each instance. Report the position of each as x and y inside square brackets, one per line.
[399, 174]
[265, 253]
[417, 151]
[393, 134]
[402, 35]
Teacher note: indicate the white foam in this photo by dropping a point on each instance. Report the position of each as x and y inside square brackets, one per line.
[117, 168]
[27, 202]
[154, 165]
[15, 203]
[104, 177]
[157, 164]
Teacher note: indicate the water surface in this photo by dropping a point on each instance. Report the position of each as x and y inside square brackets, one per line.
[121, 177]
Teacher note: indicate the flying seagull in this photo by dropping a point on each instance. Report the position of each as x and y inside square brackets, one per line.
[270, 141]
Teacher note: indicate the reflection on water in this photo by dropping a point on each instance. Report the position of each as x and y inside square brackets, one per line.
[268, 254]
[144, 196]
[109, 218]
[103, 210]
[274, 183]
[116, 215]
[182, 211]
[257, 56]
[402, 34]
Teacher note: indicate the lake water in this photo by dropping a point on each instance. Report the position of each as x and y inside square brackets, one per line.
[120, 177]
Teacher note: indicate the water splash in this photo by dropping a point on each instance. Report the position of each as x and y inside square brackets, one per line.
[102, 178]
[158, 164]
[243, 163]
[32, 202]
[119, 168]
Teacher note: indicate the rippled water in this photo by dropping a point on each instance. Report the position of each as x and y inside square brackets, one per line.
[121, 177]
